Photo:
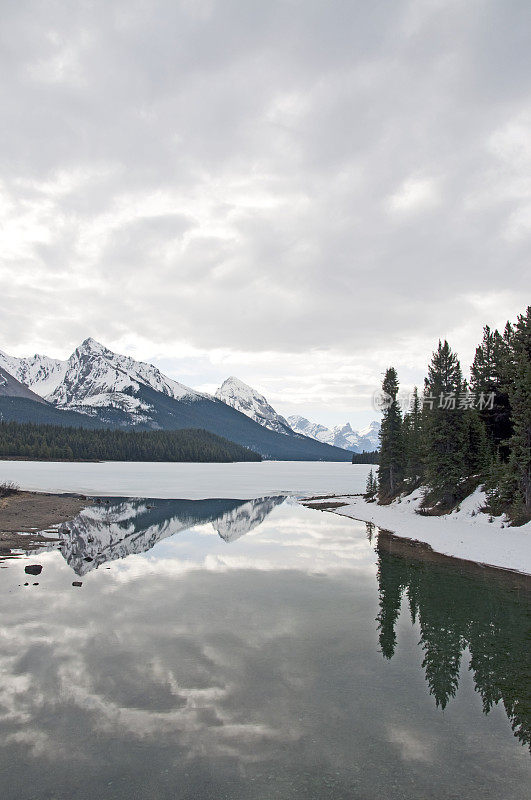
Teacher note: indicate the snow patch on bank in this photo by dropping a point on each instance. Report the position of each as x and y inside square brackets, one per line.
[465, 534]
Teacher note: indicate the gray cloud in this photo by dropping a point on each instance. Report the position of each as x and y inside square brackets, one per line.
[276, 177]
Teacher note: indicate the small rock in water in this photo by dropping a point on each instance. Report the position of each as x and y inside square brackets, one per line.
[33, 569]
[77, 583]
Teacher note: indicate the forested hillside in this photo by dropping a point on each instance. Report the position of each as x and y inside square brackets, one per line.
[57, 442]
[459, 434]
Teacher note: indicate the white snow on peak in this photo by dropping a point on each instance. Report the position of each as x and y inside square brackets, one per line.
[95, 372]
[340, 436]
[244, 398]
[93, 376]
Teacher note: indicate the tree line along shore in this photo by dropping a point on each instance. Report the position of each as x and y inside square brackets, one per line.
[47, 442]
[459, 434]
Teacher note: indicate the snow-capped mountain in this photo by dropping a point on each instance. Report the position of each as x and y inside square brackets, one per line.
[244, 398]
[95, 377]
[340, 436]
[372, 433]
[96, 387]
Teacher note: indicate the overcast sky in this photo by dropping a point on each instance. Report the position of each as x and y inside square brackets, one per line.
[296, 192]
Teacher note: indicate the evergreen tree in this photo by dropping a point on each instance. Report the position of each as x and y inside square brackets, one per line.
[412, 429]
[476, 452]
[371, 486]
[392, 451]
[444, 426]
[490, 376]
[518, 477]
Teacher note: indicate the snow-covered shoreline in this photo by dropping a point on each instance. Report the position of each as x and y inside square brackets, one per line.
[466, 534]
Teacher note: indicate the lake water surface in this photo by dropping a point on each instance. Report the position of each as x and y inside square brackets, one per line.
[221, 648]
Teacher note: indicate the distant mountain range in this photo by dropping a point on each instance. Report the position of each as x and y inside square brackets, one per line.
[96, 387]
[340, 436]
[250, 402]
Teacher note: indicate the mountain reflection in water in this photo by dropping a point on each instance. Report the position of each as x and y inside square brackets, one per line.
[115, 529]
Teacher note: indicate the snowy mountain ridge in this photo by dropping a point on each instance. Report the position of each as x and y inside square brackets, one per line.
[244, 398]
[41, 373]
[118, 391]
[95, 377]
[341, 435]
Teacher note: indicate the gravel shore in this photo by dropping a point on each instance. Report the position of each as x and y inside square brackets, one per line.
[25, 516]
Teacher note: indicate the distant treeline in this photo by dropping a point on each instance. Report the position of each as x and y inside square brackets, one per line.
[367, 457]
[27, 440]
[458, 434]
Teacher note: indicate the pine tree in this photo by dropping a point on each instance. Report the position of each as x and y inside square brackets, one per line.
[371, 486]
[444, 427]
[412, 428]
[476, 449]
[519, 467]
[490, 376]
[392, 452]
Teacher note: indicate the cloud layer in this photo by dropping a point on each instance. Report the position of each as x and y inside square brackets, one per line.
[242, 181]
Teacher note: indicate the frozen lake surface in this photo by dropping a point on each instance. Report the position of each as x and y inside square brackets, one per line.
[190, 481]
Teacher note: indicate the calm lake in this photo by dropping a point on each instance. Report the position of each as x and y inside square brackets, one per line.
[255, 649]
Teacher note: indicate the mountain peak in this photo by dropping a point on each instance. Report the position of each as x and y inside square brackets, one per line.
[232, 380]
[345, 429]
[90, 345]
[248, 401]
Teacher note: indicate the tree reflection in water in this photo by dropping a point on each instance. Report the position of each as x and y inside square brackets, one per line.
[460, 607]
